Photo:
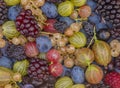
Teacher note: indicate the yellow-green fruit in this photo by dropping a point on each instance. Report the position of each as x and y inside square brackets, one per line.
[79, 2]
[78, 40]
[5, 76]
[9, 30]
[78, 86]
[12, 2]
[102, 52]
[94, 74]
[84, 56]
[64, 82]
[65, 8]
[21, 67]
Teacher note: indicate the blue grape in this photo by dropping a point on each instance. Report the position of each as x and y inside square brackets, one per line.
[28, 86]
[117, 70]
[68, 20]
[92, 4]
[66, 71]
[94, 18]
[50, 10]
[44, 44]
[77, 74]
[13, 12]
[101, 26]
[6, 62]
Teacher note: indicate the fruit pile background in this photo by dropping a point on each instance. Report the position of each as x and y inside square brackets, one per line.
[59, 43]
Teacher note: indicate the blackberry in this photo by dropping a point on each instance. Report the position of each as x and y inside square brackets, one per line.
[100, 85]
[40, 83]
[110, 11]
[103, 34]
[60, 26]
[117, 63]
[3, 12]
[115, 33]
[88, 27]
[26, 24]
[15, 52]
[38, 69]
[0, 53]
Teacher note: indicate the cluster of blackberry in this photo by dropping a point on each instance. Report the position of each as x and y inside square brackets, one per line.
[3, 12]
[110, 11]
[15, 52]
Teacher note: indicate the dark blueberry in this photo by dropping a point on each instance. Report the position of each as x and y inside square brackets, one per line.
[103, 34]
[92, 4]
[94, 18]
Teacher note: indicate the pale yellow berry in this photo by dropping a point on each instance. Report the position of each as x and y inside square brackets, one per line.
[39, 3]
[69, 32]
[113, 43]
[23, 40]
[74, 15]
[118, 47]
[54, 42]
[2, 43]
[76, 26]
[1, 35]
[114, 52]
[16, 41]
[61, 43]
[31, 39]
[17, 77]
[24, 2]
[8, 86]
[70, 49]
[69, 62]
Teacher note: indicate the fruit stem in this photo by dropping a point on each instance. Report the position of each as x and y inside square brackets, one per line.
[80, 19]
[95, 38]
[90, 42]
[47, 33]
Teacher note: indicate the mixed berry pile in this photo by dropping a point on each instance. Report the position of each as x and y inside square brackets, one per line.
[59, 43]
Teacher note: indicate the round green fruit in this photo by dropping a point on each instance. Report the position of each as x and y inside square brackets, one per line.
[84, 56]
[5, 76]
[78, 40]
[64, 82]
[12, 2]
[21, 67]
[94, 74]
[65, 8]
[78, 86]
[79, 3]
[102, 52]
[9, 30]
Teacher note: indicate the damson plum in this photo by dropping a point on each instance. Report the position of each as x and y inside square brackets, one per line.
[44, 43]
[77, 74]
[50, 10]
[6, 62]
